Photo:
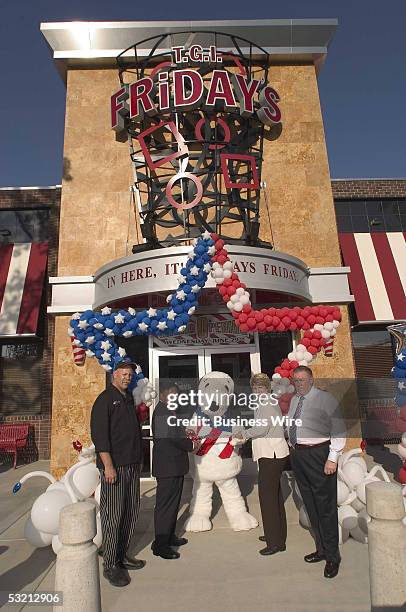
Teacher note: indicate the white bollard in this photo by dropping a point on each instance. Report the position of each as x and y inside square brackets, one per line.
[77, 565]
[386, 545]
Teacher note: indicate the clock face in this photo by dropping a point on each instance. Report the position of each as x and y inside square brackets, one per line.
[195, 117]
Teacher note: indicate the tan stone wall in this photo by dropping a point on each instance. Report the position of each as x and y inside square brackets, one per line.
[96, 185]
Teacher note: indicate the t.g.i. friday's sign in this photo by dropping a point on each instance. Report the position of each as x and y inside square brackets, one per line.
[157, 270]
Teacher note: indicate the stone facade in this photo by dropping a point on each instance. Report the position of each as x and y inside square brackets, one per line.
[98, 225]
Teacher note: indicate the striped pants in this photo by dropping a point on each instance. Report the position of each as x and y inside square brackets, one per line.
[119, 508]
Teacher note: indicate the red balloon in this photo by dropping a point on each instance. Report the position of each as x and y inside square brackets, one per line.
[259, 316]
[214, 237]
[311, 319]
[305, 325]
[285, 364]
[231, 290]
[222, 259]
[402, 475]
[236, 284]
[244, 327]
[268, 319]
[227, 282]
[247, 308]
[315, 310]
[320, 320]
[293, 315]
[297, 309]
[315, 342]
[243, 285]
[293, 326]
[269, 328]
[251, 322]
[281, 327]
[312, 350]
[271, 311]
[323, 312]
[305, 341]
[261, 326]
[317, 334]
[337, 315]
[142, 412]
[275, 321]
[278, 369]
[308, 334]
[307, 311]
[285, 373]
[329, 318]
[243, 317]
[264, 311]
[294, 364]
[286, 321]
[219, 244]
[222, 290]
[234, 276]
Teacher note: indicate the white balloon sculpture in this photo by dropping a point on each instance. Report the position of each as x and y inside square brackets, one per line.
[81, 482]
[353, 476]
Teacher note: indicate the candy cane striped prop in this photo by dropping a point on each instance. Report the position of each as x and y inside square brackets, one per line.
[328, 347]
[79, 354]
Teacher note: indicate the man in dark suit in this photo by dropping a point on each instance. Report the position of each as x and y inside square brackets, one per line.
[170, 463]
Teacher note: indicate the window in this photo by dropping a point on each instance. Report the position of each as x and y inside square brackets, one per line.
[25, 225]
[20, 377]
[371, 215]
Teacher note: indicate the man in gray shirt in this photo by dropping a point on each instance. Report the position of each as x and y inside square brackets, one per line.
[315, 444]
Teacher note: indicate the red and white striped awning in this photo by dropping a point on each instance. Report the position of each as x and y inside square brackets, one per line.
[22, 271]
[378, 274]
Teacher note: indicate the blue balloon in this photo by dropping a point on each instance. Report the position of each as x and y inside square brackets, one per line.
[175, 302]
[398, 373]
[184, 272]
[109, 323]
[92, 321]
[199, 262]
[187, 288]
[191, 297]
[154, 325]
[146, 320]
[178, 309]
[401, 364]
[170, 324]
[200, 249]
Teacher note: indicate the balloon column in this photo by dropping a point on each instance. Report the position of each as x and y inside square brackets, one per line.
[81, 482]
[319, 323]
[353, 476]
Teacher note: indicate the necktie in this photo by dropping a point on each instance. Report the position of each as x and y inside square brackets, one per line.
[293, 427]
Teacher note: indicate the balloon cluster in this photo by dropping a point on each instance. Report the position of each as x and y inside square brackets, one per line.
[319, 323]
[353, 477]
[80, 482]
[94, 331]
[399, 369]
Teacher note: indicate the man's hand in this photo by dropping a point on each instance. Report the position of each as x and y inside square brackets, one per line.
[110, 474]
[330, 467]
[196, 445]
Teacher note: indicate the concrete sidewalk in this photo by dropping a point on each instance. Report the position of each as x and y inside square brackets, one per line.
[218, 569]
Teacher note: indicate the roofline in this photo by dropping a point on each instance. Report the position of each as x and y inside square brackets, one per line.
[30, 188]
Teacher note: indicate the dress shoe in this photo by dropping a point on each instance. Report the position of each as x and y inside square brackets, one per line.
[117, 576]
[331, 569]
[315, 557]
[175, 541]
[131, 563]
[166, 553]
[271, 550]
[262, 539]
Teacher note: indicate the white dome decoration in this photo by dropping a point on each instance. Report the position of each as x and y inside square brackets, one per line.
[34, 536]
[85, 481]
[46, 508]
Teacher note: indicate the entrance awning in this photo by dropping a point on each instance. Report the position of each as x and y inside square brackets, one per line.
[22, 271]
[378, 274]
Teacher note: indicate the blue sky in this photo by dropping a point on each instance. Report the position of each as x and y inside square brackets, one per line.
[362, 85]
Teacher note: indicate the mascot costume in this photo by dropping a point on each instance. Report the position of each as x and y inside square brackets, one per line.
[217, 461]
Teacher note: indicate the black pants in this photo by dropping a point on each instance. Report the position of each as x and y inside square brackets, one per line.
[271, 500]
[319, 493]
[119, 508]
[167, 502]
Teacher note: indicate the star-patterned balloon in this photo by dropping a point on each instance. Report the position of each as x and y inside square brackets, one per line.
[399, 369]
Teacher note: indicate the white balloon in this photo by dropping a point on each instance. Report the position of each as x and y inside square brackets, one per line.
[230, 305]
[97, 493]
[358, 505]
[336, 324]
[343, 534]
[333, 332]
[227, 273]
[303, 362]
[363, 520]
[240, 291]
[361, 462]
[56, 544]
[217, 272]
[347, 517]
[290, 389]
[325, 334]
[318, 327]
[238, 306]
[401, 450]
[354, 474]
[308, 356]
[57, 486]
[300, 355]
[292, 356]
[276, 376]
[85, 481]
[359, 535]
[244, 299]
[342, 492]
[235, 298]
[219, 280]
[301, 348]
[228, 265]
[46, 508]
[328, 326]
[360, 489]
[36, 537]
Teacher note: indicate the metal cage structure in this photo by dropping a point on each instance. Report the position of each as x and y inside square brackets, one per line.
[193, 150]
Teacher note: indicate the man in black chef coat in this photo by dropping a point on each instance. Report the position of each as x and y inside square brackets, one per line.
[116, 434]
[170, 463]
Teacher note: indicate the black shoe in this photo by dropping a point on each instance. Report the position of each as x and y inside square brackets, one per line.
[117, 576]
[272, 550]
[175, 541]
[166, 553]
[131, 563]
[331, 569]
[315, 557]
[262, 538]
